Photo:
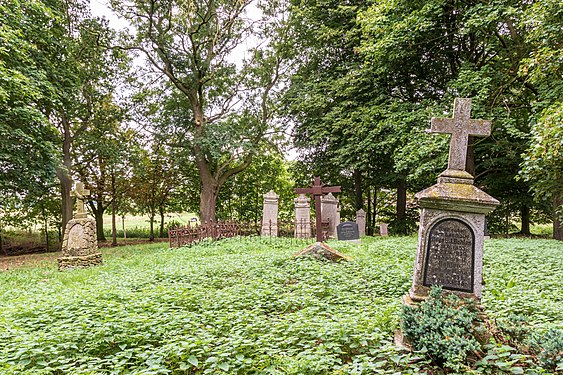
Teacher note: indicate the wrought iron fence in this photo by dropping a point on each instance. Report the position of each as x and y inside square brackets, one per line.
[298, 230]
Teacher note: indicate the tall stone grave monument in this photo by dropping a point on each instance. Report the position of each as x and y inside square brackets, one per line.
[270, 214]
[361, 221]
[329, 210]
[450, 237]
[302, 216]
[80, 246]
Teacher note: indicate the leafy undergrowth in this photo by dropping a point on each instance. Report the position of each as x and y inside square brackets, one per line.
[244, 306]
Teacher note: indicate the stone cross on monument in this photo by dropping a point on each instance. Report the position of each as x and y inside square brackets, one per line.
[452, 220]
[461, 126]
[80, 193]
[317, 190]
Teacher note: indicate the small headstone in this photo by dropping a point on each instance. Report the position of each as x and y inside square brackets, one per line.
[348, 231]
[80, 246]
[383, 230]
[329, 210]
[270, 214]
[361, 221]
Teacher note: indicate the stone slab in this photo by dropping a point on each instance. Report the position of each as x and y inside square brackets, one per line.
[321, 250]
[348, 231]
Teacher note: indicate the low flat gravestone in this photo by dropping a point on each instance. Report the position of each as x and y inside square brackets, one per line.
[348, 231]
[320, 250]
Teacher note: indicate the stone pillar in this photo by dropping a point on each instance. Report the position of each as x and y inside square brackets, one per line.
[270, 214]
[302, 216]
[329, 212]
[361, 221]
[338, 215]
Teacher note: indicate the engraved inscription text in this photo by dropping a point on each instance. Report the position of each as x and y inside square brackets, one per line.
[450, 256]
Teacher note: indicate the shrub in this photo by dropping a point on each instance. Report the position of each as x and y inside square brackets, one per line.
[548, 347]
[444, 327]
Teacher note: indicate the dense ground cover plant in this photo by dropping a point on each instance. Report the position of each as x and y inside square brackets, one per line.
[444, 326]
[244, 306]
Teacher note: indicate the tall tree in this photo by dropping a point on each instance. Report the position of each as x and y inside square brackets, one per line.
[192, 45]
[29, 32]
[543, 162]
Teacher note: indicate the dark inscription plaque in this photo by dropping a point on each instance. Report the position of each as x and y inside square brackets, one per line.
[450, 256]
[348, 231]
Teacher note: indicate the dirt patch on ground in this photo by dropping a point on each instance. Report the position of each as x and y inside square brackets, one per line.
[39, 257]
[10, 262]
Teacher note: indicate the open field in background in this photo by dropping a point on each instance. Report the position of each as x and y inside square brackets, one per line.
[244, 306]
[135, 221]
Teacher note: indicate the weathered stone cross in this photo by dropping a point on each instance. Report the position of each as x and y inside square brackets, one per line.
[80, 193]
[317, 191]
[461, 126]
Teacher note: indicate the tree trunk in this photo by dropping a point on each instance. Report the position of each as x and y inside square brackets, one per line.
[123, 226]
[161, 230]
[557, 224]
[374, 216]
[46, 232]
[368, 214]
[401, 199]
[207, 202]
[113, 213]
[401, 224]
[151, 224]
[99, 217]
[358, 189]
[64, 174]
[525, 213]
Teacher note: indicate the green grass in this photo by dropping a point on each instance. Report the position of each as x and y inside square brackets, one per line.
[244, 306]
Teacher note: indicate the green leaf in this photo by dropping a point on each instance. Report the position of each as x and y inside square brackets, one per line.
[193, 361]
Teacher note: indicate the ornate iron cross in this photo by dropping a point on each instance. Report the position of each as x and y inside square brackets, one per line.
[317, 190]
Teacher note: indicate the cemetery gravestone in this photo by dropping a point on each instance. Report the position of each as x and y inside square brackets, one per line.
[450, 240]
[329, 210]
[348, 231]
[80, 246]
[361, 221]
[383, 230]
[302, 217]
[270, 214]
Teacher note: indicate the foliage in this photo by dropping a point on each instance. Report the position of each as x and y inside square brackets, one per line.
[226, 111]
[27, 151]
[244, 306]
[443, 327]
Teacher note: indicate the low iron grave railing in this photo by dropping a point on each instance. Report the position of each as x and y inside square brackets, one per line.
[302, 230]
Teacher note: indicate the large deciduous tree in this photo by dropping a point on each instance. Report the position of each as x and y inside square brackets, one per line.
[192, 44]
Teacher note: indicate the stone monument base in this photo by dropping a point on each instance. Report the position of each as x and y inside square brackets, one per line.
[80, 247]
[84, 261]
[321, 250]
